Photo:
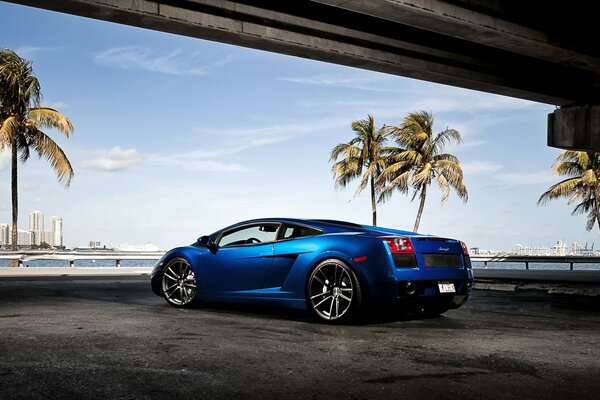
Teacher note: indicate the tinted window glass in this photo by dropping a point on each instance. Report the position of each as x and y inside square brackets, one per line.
[250, 235]
[291, 232]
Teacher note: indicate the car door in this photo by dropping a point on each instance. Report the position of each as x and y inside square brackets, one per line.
[294, 241]
[240, 263]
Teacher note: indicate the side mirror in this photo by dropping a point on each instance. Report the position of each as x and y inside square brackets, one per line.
[206, 242]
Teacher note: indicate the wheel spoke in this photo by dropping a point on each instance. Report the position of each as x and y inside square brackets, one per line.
[342, 276]
[331, 306]
[324, 276]
[345, 298]
[322, 301]
[170, 287]
[171, 291]
[337, 306]
[184, 270]
[166, 273]
[335, 268]
[320, 294]
[319, 280]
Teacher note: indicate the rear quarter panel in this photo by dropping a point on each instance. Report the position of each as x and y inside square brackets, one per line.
[296, 258]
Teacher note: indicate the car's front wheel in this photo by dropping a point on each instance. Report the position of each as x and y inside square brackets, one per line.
[179, 283]
[333, 291]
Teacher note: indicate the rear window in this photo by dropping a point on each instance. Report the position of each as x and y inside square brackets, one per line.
[291, 232]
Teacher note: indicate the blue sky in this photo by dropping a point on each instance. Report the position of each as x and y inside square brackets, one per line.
[177, 137]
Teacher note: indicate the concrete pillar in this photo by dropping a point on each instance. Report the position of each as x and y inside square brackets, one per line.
[575, 128]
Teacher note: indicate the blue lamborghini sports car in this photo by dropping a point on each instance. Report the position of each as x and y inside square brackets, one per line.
[331, 268]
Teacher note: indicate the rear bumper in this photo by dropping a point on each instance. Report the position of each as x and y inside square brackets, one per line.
[427, 291]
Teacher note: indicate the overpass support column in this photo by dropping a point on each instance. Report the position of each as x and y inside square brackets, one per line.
[575, 128]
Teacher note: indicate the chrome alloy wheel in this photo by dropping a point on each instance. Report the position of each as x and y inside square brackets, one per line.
[179, 283]
[331, 289]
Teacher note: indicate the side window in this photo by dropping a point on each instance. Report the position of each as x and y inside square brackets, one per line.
[250, 235]
[291, 231]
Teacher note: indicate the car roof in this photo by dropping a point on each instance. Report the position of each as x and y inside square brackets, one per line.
[328, 225]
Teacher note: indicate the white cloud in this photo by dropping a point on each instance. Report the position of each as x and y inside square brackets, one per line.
[189, 162]
[116, 159]
[479, 167]
[57, 105]
[414, 95]
[30, 51]
[366, 82]
[177, 62]
[4, 159]
[513, 179]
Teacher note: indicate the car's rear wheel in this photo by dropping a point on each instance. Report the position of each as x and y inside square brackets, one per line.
[179, 283]
[333, 291]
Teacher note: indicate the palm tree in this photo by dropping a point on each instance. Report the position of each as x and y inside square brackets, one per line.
[420, 159]
[365, 151]
[21, 121]
[582, 170]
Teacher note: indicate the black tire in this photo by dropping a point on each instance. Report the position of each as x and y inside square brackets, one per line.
[333, 292]
[178, 283]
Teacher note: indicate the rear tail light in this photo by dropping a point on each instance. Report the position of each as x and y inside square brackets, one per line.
[465, 249]
[399, 245]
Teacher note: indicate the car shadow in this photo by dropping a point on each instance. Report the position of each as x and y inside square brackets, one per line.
[367, 317]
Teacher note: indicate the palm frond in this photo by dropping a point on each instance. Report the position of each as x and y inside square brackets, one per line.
[400, 182]
[47, 148]
[568, 168]
[446, 157]
[446, 137]
[45, 117]
[445, 186]
[345, 171]
[8, 131]
[564, 188]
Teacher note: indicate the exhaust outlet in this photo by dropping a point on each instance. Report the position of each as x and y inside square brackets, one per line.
[410, 288]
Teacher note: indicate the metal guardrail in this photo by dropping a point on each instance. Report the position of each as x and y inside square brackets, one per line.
[118, 256]
[73, 256]
[571, 260]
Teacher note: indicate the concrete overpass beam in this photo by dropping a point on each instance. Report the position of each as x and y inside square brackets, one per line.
[575, 128]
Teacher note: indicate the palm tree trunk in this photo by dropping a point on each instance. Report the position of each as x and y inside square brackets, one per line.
[597, 210]
[15, 200]
[421, 207]
[373, 202]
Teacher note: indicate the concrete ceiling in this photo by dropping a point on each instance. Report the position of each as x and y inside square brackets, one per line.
[542, 51]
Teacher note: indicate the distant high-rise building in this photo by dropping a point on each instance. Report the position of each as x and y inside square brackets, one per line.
[4, 234]
[36, 221]
[36, 227]
[57, 232]
[36, 235]
[23, 238]
[518, 249]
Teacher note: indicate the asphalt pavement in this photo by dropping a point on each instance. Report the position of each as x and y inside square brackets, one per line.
[111, 337]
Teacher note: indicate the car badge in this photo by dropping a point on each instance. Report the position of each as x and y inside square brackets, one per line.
[444, 249]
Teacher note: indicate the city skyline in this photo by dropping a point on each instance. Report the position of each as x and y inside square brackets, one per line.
[177, 137]
[35, 234]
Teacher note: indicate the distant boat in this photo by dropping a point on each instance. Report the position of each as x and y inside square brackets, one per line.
[150, 247]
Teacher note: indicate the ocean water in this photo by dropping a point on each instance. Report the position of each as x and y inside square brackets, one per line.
[151, 263]
[538, 266]
[83, 263]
